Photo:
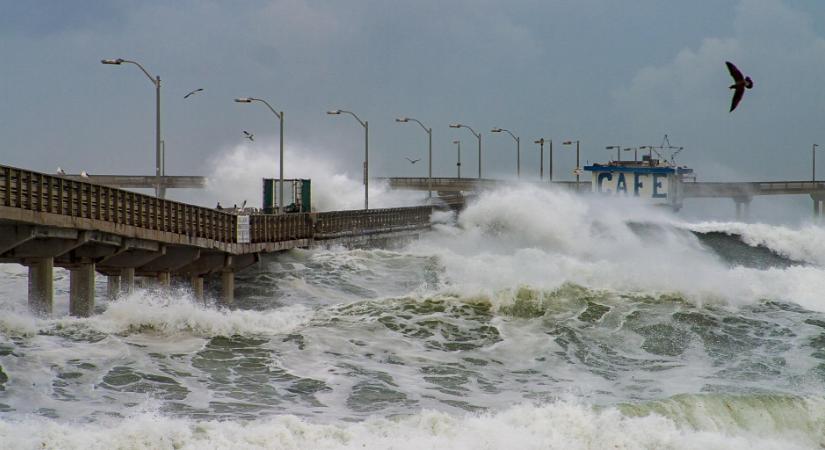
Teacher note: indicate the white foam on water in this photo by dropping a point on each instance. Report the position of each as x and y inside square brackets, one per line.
[178, 313]
[544, 238]
[805, 243]
[561, 425]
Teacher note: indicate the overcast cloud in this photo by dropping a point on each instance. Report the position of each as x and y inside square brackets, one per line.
[602, 71]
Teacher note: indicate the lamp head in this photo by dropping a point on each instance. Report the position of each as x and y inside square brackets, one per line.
[611, 147]
[244, 100]
[456, 142]
[402, 119]
[567, 142]
[496, 130]
[540, 141]
[336, 111]
[116, 62]
[455, 125]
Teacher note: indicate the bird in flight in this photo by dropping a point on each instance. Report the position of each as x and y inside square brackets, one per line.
[189, 94]
[740, 83]
[249, 135]
[412, 161]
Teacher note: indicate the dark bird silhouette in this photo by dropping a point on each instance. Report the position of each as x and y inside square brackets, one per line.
[413, 161]
[189, 94]
[740, 83]
[249, 135]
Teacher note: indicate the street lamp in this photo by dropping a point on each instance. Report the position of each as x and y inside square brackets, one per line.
[649, 151]
[280, 116]
[577, 171]
[159, 191]
[518, 148]
[430, 137]
[618, 149]
[541, 164]
[366, 126]
[635, 152]
[478, 136]
[458, 163]
[813, 164]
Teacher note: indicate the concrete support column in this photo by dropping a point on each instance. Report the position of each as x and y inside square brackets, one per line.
[164, 280]
[127, 280]
[41, 286]
[742, 208]
[197, 287]
[227, 287]
[818, 206]
[112, 286]
[82, 290]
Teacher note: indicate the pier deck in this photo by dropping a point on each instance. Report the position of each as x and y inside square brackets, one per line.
[48, 221]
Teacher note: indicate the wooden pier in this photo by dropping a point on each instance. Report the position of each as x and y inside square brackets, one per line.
[49, 221]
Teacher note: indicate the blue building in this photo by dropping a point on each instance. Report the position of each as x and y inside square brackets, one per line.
[653, 179]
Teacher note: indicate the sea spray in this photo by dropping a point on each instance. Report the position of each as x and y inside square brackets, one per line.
[236, 174]
[561, 425]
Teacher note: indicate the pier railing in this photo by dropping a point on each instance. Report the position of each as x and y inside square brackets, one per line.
[68, 198]
[358, 222]
[38, 192]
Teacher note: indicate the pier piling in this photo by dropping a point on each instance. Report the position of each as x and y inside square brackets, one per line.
[112, 286]
[197, 287]
[227, 287]
[82, 290]
[127, 280]
[41, 285]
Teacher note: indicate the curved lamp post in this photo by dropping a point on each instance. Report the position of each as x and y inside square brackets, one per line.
[541, 142]
[366, 126]
[159, 191]
[458, 162]
[280, 116]
[518, 148]
[577, 170]
[478, 136]
[430, 136]
[618, 149]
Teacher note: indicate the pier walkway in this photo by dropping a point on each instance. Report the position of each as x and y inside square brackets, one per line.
[49, 221]
[740, 192]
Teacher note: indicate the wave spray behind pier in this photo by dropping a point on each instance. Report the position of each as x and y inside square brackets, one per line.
[538, 319]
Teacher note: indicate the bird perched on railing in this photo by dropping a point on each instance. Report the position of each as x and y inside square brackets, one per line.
[249, 135]
[83, 174]
[412, 161]
[740, 83]
[60, 171]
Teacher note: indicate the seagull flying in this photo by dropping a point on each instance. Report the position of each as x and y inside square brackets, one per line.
[740, 83]
[196, 90]
[60, 171]
[83, 174]
[413, 161]
[248, 135]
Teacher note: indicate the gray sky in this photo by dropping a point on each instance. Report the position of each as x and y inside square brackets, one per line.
[602, 71]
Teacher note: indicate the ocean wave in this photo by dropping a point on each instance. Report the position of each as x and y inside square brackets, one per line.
[806, 243]
[148, 311]
[737, 423]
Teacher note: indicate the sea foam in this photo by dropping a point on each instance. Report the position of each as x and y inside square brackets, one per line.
[561, 425]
